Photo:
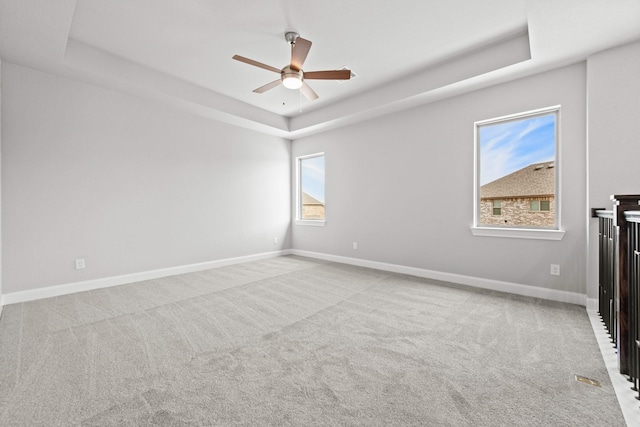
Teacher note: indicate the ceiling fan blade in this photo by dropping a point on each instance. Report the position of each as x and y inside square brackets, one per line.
[268, 86]
[256, 63]
[328, 75]
[308, 92]
[299, 53]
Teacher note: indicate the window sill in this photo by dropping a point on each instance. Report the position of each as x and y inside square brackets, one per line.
[311, 222]
[518, 233]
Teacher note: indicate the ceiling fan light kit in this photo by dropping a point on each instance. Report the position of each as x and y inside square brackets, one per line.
[292, 79]
[292, 76]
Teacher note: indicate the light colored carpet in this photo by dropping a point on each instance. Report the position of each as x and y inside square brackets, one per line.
[294, 341]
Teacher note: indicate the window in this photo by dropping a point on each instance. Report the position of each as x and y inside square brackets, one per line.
[311, 189]
[540, 205]
[545, 205]
[516, 180]
[497, 207]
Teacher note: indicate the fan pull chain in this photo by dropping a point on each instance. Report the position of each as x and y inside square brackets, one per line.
[299, 102]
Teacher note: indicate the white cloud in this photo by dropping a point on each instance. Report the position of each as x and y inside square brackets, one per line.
[498, 153]
[313, 170]
[531, 126]
[505, 151]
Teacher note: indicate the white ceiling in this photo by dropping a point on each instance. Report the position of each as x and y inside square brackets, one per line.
[405, 52]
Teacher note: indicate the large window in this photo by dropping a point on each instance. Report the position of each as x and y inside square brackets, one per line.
[516, 184]
[311, 189]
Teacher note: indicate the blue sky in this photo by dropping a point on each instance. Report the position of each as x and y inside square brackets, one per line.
[312, 177]
[509, 146]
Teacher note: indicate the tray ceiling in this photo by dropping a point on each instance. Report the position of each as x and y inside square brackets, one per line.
[404, 52]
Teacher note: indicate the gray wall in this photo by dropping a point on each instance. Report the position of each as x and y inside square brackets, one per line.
[614, 135]
[402, 187]
[1, 299]
[133, 186]
[128, 184]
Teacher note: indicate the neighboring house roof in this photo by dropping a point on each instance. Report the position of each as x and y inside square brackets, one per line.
[308, 200]
[534, 180]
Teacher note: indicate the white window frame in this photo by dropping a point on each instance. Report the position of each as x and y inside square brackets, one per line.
[556, 233]
[299, 220]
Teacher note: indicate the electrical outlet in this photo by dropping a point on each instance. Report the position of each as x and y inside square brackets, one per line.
[355, 245]
[275, 240]
[79, 263]
[555, 270]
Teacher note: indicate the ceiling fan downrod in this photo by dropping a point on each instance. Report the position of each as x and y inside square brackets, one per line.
[291, 37]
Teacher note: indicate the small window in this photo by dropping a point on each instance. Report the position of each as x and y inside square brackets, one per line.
[497, 207]
[540, 205]
[516, 162]
[311, 188]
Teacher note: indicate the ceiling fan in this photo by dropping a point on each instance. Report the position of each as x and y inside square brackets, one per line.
[292, 76]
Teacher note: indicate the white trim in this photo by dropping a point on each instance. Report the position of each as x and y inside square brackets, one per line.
[518, 233]
[309, 156]
[592, 304]
[495, 285]
[509, 117]
[626, 397]
[312, 222]
[1, 304]
[633, 215]
[556, 109]
[69, 288]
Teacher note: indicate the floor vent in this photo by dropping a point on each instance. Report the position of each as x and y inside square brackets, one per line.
[587, 381]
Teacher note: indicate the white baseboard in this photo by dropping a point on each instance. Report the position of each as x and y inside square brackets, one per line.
[1, 304]
[626, 397]
[54, 291]
[592, 304]
[495, 285]
[514, 288]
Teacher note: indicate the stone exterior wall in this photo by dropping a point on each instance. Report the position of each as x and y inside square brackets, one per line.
[312, 211]
[516, 212]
